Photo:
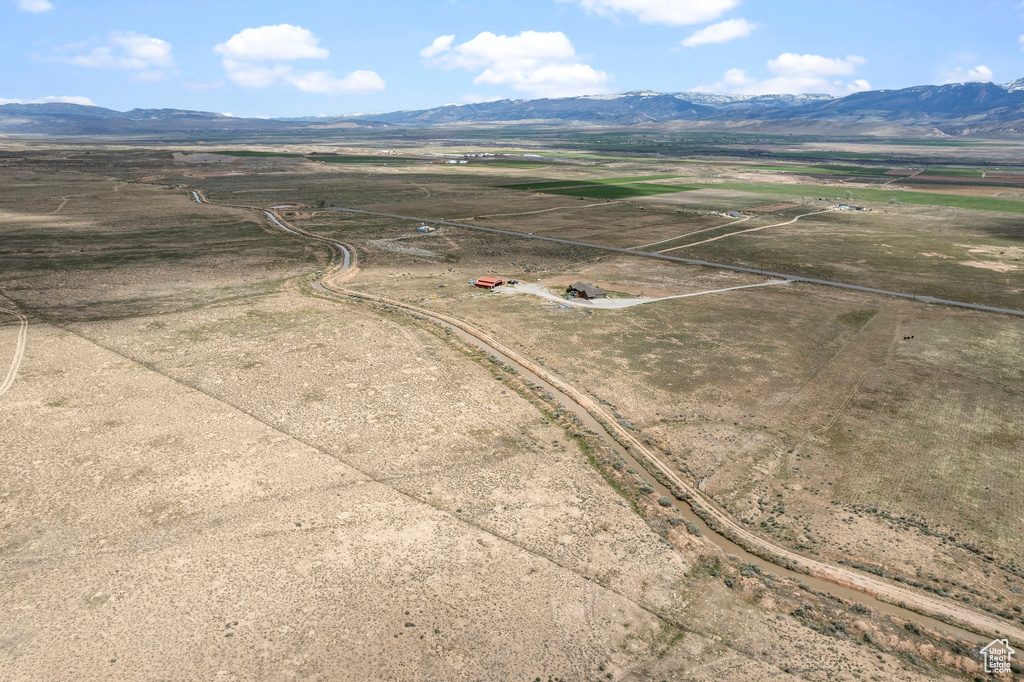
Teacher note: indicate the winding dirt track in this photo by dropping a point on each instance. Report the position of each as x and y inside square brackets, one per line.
[19, 350]
[690, 234]
[329, 284]
[732, 234]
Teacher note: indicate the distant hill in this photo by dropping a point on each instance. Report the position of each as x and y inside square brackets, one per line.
[630, 108]
[975, 107]
[955, 109]
[74, 119]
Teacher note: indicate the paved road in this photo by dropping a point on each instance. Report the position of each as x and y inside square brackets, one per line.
[691, 261]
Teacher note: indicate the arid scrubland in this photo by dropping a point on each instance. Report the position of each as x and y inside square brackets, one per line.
[208, 471]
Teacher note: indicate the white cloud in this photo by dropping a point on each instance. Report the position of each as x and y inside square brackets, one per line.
[812, 65]
[668, 12]
[440, 44]
[960, 74]
[255, 75]
[539, 64]
[254, 58]
[35, 6]
[148, 57]
[65, 99]
[795, 75]
[324, 82]
[320, 82]
[281, 43]
[720, 33]
[1020, 41]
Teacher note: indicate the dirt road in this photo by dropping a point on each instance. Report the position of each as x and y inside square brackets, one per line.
[689, 234]
[692, 261]
[943, 609]
[19, 350]
[616, 303]
[752, 229]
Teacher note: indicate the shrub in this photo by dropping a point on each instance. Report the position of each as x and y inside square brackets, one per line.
[750, 570]
[664, 501]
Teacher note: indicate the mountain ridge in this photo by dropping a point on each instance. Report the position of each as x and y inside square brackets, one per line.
[952, 109]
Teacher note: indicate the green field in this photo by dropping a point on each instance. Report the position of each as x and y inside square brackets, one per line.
[827, 169]
[558, 184]
[881, 196]
[361, 159]
[832, 155]
[626, 191]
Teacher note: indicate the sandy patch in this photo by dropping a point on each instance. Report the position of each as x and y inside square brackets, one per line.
[1006, 252]
[936, 255]
[989, 265]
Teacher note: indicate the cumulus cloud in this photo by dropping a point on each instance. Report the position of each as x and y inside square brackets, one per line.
[326, 83]
[796, 74]
[280, 43]
[721, 32]
[440, 44]
[961, 74]
[35, 6]
[668, 12]
[256, 58]
[64, 99]
[812, 65]
[536, 63]
[148, 57]
[1020, 41]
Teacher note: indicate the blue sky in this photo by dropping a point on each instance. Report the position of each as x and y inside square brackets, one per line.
[262, 58]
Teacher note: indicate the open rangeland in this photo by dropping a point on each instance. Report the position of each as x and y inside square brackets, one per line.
[207, 467]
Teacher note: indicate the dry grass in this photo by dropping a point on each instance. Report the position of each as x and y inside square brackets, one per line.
[210, 463]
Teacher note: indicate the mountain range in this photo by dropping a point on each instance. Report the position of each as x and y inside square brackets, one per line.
[954, 109]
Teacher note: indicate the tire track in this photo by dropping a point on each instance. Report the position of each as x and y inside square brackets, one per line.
[19, 350]
[752, 229]
[690, 234]
[897, 595]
